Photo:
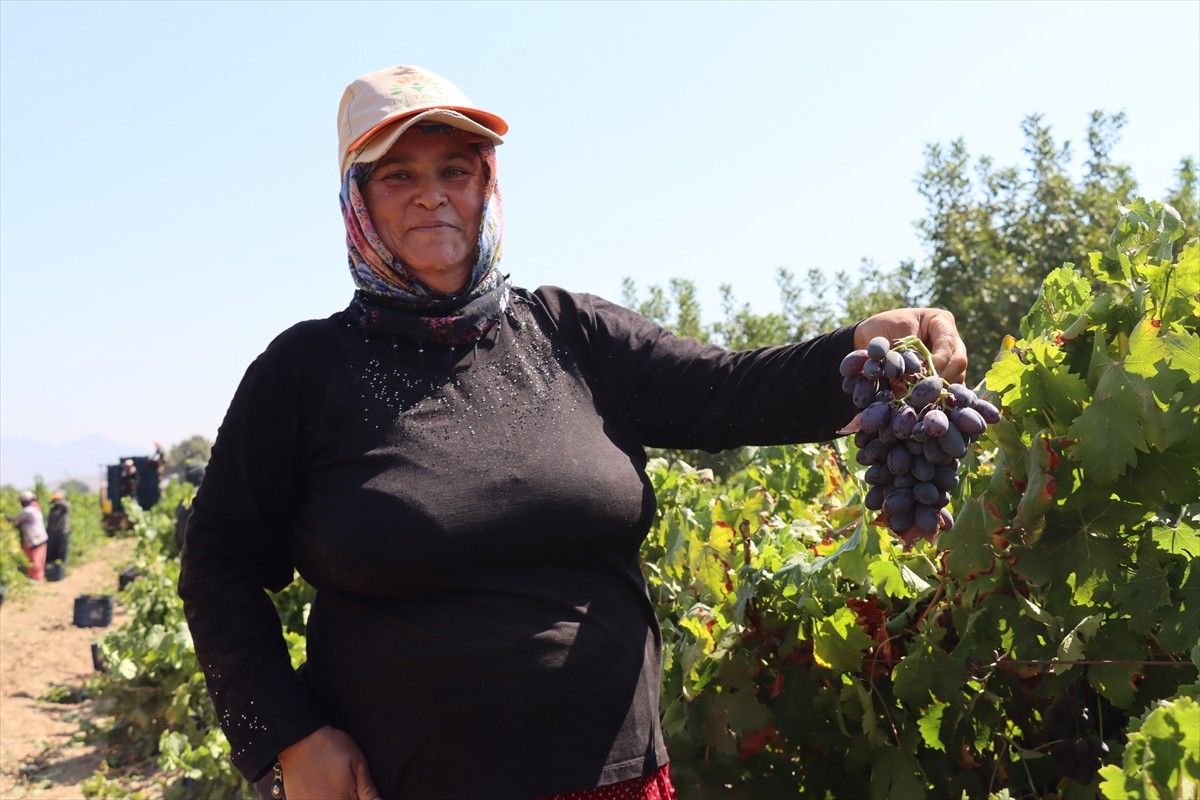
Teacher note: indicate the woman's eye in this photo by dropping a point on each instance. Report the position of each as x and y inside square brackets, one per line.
[394, 176]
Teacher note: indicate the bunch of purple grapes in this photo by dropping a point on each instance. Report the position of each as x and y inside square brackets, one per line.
[912, 430]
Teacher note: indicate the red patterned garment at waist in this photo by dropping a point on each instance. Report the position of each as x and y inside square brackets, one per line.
[656, 786]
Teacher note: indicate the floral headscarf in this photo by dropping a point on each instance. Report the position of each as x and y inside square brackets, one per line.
[376, 271]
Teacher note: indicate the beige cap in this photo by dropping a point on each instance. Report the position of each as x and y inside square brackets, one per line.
[400, 97]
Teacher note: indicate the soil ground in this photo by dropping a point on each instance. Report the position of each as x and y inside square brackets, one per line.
[42, 755]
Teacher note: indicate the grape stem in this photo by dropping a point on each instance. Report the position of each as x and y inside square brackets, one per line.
[915, 343]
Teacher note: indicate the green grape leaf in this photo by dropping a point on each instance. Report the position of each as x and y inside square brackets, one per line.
[1145, 592]
[1172, 734]
[1115, 643]
[1073, 646]
[1182, 540]
[969, 542]
[1117, 423]
[930, 725]
[1175, 286]
[926, 672]
[896, 775]
[838, 642]
[1085, 555]
[1063, 296]
[1181, 620]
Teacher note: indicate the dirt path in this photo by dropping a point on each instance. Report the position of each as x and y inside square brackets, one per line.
[40, 648]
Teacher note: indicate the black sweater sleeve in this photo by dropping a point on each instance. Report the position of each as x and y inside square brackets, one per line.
[237, 545]
[683, 394]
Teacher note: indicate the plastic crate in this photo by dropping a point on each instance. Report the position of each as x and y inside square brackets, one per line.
[93, 610]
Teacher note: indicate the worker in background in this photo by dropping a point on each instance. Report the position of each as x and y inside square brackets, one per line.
[58, 529]
[33, 534]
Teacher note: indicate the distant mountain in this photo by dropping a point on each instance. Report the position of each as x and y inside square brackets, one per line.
[82, 459]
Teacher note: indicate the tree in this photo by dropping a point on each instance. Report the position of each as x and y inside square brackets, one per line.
[74, 486]
[194, 450]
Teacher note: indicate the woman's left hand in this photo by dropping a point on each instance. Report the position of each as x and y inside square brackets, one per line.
[933, 326]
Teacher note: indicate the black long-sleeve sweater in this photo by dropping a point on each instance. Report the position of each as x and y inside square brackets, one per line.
[471, 519]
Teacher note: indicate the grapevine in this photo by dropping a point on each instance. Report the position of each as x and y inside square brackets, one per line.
[912, 430]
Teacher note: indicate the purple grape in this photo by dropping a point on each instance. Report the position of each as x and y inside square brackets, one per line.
[934, 453]
[898, 501]
[872, 369]
[968, 420]
[926, 518]
[945, 519]
[912, 362]
[874, 498]
[904, 481]
[874, 417]
[945, 477]
[887, 436]
[893, 365]
[899, 460]
[925, 392]
[953, 443]
[884, 396]
[903, 421]
[878, 347]
[849, 383]
[936, 422]
[925, 492]
[915, 447]
[874, 453]
[864, 392]
[899, 523]
[922, 470]
[990, 414]
[852, 364]
[961, 396]
[862, 438]
[878, 475]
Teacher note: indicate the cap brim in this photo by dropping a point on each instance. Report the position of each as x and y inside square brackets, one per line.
[381, 138]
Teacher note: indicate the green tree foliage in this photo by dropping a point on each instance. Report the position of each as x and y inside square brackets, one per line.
[193, 450]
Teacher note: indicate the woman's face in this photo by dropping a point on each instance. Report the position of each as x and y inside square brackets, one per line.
[425, 198]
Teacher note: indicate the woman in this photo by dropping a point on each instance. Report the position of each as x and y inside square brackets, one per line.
[456, 465]
[32, 525]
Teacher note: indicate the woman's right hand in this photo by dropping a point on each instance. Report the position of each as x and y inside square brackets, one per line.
[326, 765]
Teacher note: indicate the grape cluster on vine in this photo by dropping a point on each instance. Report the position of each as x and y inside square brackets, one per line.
[911, 431]
[1078, 747]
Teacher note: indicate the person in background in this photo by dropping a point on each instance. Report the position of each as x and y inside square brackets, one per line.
[58, 529]
[128, 484]
[33, 534]
[457, 465]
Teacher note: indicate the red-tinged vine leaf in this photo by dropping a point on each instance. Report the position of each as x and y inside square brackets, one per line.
[838, 642]
[969, 542]
[853, 426]
[754, 741]
[1041, 490]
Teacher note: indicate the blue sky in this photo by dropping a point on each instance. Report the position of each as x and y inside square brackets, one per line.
[168, 177]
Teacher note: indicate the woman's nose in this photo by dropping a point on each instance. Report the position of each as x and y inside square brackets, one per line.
[430, 194]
